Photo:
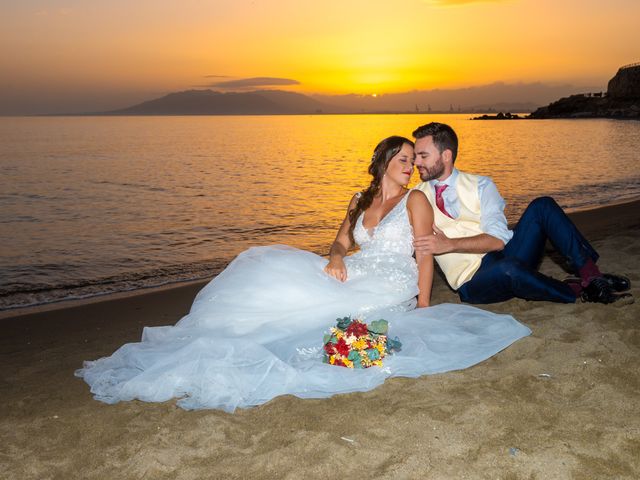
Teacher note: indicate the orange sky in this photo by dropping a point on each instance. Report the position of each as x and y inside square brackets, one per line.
[110, 53]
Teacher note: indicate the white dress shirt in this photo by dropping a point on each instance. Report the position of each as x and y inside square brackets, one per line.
[492, 219]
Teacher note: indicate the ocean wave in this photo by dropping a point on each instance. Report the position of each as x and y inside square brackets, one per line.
[21, 294]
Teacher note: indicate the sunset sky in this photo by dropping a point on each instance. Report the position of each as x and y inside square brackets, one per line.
[77, 55]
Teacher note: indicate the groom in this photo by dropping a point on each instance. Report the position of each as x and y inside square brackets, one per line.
[481, 258]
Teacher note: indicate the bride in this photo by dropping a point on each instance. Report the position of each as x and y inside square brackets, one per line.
[255, 331]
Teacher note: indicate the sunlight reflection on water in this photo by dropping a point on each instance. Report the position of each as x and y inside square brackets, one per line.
[96, 204]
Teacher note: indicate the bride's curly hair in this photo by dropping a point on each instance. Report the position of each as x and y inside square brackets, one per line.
[382, 155]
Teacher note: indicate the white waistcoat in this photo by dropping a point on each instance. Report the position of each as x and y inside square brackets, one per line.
[458, 267]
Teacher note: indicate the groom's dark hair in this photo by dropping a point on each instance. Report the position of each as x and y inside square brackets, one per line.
[443, 137]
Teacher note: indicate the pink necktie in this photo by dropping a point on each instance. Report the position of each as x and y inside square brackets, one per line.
[440, 200]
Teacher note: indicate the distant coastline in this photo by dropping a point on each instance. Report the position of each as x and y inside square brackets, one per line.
[484, 99]
[496, 101]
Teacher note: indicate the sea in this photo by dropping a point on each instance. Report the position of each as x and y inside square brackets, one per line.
[91, 206]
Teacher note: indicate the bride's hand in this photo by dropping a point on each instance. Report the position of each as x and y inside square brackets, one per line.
[422, 303]
[337, 269]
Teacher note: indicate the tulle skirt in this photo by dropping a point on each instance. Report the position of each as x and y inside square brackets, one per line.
[255, 332]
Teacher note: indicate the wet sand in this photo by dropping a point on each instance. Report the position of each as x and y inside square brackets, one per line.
[562, 403]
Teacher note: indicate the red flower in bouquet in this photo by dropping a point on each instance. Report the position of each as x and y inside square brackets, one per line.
[342, 347]
[330, 348]
[357, 329]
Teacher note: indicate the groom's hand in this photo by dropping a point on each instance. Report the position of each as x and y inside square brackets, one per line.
[435, 244]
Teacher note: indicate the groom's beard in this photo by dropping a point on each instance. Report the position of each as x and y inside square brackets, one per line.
[427, 173]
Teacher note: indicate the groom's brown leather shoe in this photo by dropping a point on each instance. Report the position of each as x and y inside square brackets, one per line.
[600, 291]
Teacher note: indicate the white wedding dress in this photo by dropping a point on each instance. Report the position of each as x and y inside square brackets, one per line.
[255, 331]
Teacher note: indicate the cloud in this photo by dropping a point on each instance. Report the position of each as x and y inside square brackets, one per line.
[255, 82]
[216, 76]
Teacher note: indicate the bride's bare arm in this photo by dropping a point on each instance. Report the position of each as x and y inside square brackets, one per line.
[421, 218]
[341, 245]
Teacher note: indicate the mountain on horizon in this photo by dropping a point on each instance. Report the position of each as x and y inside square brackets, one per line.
[487, 98]
[210, 102]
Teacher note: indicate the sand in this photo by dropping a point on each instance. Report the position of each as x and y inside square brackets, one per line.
[562, 403]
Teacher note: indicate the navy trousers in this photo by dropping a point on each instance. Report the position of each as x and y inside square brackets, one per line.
[513, 272]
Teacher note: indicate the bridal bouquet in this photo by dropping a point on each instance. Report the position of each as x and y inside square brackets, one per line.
[354, 344]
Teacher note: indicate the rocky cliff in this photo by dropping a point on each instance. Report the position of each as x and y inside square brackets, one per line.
[622, 100]
[626, 83]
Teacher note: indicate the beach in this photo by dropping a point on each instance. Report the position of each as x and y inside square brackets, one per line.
[561, 403]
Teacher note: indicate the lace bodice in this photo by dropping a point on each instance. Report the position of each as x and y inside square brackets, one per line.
[386, 253]
[393, 235]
